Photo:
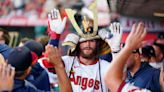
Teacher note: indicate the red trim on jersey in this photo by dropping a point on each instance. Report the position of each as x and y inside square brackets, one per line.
[47, 64]
[133, 90]
[50, 66]
[41, 56]
[121, 86]
[94, 62]
[34, 57]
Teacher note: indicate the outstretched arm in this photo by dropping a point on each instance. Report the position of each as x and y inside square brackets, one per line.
[55, 58]
[55, 28]
[114, 75]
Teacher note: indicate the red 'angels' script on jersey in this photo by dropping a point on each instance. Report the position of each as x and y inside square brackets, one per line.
[84, 82]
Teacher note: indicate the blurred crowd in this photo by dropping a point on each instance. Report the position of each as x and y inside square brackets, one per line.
[29, 8]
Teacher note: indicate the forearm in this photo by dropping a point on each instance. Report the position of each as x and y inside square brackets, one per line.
[115, 72]
[54, 39]
[54, 42]
[64, 82]
[119, 62]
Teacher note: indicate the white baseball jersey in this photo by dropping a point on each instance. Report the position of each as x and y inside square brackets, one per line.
[157, 65]
[127, 87]
[86, 78]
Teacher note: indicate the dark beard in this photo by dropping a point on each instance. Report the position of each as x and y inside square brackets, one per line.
[89, 56]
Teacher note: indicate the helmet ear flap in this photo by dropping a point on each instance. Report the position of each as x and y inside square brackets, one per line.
[75, 52]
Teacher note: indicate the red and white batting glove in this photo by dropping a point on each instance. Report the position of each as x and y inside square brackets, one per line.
[55, 23]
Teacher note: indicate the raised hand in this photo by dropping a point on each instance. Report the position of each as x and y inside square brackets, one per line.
[55, 58]
[53, 55]
[136, 36]
[55, 23]
[6, 77]
[114, 75]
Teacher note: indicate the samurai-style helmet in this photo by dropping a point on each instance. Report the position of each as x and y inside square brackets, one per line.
[86, 28]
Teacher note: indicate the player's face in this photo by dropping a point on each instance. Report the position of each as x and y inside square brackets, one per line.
[88, 49]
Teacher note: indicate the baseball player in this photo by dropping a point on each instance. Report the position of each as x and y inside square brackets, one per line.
[82, 64]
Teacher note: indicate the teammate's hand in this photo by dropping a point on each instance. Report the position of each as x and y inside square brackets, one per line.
[136, 36]
[55, 23]
[6, 77]
[54, 55]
